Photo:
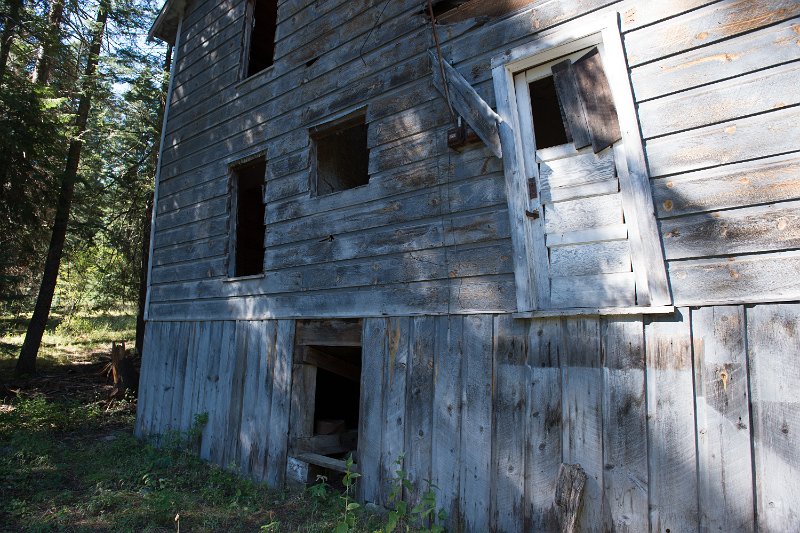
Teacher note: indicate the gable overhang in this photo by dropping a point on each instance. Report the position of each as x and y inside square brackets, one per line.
[166, 25]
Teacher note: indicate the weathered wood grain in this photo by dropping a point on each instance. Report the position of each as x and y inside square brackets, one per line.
[599, 258]
[370, 425]
[725, 59]
[395, 377]
[760, 91]
[252, 452]
[278, 444]
[328, 333]
[755, 182]
[180, 380]
[544, 420]
[771, 227]
[625, 476]
[581, 169]
[586, 213]
[597, 290]
[419, 405]
[447, 411]
[224, 375]
[476, 421]
[746, 138]
[530, 268]
[219, 332]
[508, 454]
[616, 232]
[467, 102]
[703, 26]
[671, 453]
[582, 412]
[772, 340]
[572, 104]
[724, 461]
[739, 279]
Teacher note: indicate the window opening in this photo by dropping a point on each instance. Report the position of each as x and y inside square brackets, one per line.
[263, 19]
[548, 115]
[342, 156]
[248, 180]
[441, 7]
[326, 396]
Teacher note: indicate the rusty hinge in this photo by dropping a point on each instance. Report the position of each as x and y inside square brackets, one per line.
[532, 193]
[534, 214]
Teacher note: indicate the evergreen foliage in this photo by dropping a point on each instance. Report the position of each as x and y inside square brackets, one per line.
[102, 255]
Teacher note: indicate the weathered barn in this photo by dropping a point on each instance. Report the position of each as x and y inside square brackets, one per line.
[532, 233]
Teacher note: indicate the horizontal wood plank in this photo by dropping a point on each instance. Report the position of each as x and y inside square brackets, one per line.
[761, 181]
[764, 228]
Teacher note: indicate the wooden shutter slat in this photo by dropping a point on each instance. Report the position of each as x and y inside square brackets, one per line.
[601, 114]
[467, 103]
[572, 104]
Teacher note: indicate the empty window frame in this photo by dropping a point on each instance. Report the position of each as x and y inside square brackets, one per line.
[247, 214]
[340, 155]
[261, 18]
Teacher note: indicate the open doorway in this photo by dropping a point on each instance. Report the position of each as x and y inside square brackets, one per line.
[326, 392]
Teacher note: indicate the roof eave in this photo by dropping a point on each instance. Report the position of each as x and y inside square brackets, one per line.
[165, 26]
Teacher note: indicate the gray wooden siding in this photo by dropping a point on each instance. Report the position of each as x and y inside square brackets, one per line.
[236, 372]
[684, 422]
[715, 84]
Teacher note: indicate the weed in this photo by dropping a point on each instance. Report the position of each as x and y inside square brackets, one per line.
[423, 516]
[347, 521]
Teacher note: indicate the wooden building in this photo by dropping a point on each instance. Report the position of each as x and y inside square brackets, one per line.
[532, 233]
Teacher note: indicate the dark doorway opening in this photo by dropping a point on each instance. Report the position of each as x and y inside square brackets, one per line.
[326, 398]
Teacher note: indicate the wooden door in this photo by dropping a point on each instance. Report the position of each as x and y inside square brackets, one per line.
[570, 136]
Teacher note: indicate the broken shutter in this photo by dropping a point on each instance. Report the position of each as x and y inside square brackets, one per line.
[467, 103]
[585, 97]
[589, 241]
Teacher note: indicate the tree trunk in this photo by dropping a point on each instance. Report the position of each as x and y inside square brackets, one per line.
[10, 25]
[50, 42]
[26, 364]
[145, 265]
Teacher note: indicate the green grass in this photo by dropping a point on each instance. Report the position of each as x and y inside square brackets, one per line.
[67, 340]
[75, 467]
[69, 462]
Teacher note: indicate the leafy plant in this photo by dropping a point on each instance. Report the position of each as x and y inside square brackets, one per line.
[347, 521]
[319, 490]
[423, 516]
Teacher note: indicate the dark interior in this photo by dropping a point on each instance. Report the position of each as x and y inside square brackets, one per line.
[443, 6]
[250, 226]
[548, 120]
[338, 398]
[262, 36]
[342, 157]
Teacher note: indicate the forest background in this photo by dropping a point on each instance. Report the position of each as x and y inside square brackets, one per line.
[45, 73]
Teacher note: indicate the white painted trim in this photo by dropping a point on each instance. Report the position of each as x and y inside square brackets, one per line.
[512, 72]
[157, 180]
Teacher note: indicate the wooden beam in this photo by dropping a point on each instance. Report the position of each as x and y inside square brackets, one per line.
[313, 356]
[333, 332]
[327, 444]
[325, 462]
[466, 101]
